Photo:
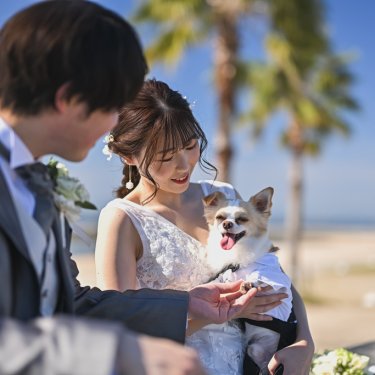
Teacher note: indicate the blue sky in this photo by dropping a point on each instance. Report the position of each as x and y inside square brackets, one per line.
[339, 184]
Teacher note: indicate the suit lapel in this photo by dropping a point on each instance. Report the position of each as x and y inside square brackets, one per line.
[63, 261]
[9, 220]
[11, 226]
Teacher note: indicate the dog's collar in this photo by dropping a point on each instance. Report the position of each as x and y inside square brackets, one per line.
[233, 267]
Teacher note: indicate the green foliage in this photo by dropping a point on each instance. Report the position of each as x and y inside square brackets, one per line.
[301, 78]
[85, 204]
[300, 22]
[180, 24]
[177, 24]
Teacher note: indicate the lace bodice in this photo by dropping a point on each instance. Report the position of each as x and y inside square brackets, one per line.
[173, 259]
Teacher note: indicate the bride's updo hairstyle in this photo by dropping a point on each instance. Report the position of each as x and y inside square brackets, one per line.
[157, 116]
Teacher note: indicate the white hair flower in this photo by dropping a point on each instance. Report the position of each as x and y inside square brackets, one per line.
[106, 150]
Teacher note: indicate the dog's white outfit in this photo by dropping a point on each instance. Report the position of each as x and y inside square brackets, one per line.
[266, 270]
[173, 259]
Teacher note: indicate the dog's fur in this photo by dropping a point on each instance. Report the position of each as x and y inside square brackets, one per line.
[238, 235]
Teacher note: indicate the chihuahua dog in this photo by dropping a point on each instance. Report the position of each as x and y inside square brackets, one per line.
[238, 247]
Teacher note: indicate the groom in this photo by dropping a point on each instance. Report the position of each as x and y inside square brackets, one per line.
[66, 68]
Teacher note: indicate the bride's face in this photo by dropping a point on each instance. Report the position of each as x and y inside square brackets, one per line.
[172, 171]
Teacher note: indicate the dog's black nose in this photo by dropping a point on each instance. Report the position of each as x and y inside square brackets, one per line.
[227, 224]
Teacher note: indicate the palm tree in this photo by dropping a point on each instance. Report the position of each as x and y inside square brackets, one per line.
[313, 93]
[183, 23]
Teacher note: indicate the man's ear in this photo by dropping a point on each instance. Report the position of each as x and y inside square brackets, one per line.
[61, 101]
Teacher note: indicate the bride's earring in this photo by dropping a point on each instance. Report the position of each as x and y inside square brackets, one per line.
[129, 185]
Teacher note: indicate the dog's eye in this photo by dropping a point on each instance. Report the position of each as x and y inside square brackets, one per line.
[242, 220]
[220, 218]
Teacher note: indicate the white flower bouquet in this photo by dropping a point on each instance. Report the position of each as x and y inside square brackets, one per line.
[339, 362]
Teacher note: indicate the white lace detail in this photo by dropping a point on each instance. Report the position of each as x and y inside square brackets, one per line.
[173, 259]
[220, 348]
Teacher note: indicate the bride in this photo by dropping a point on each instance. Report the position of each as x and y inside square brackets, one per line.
[153, 234]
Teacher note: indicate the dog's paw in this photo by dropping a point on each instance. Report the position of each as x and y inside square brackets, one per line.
[246, 286]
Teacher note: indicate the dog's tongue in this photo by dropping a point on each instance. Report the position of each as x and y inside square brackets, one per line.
[227, 242]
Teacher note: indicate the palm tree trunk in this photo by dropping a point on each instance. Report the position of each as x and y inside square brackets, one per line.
[294, 215]
[225, 71]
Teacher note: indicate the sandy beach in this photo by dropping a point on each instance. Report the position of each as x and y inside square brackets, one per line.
[337, 281]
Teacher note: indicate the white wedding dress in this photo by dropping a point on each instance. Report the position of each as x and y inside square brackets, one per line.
[172, 259]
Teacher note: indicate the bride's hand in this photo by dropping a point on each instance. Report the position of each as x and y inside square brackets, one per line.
[296, 358]
[260, 304]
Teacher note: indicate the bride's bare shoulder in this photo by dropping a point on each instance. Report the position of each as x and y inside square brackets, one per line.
[115, 228]
[112, 217]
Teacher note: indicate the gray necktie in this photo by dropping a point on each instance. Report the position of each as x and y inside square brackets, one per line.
[40, 184]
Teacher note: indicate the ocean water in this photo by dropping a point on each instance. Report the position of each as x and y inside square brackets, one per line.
[277, 225]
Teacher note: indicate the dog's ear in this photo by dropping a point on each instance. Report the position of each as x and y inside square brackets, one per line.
[262, 201]
[213, 199]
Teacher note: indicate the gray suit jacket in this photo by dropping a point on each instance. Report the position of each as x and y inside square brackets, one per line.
[64, 344]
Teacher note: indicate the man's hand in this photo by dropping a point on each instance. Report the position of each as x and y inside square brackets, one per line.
[218, 302]
[141, 355]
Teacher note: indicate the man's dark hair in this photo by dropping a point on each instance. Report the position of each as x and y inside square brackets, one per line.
[91, 49]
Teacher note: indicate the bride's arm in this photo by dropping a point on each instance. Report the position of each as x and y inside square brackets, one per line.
[117, 249]
[297, 357]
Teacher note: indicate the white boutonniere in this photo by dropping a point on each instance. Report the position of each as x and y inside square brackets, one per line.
[70, 196]
[339, 362]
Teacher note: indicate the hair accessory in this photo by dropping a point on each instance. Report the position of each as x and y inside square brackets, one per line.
[106, 150]
[129, 185]
[192, 104]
